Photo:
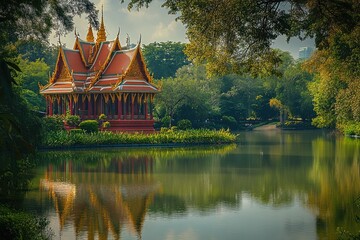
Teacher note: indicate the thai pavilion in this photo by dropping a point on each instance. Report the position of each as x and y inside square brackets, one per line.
[102, 77]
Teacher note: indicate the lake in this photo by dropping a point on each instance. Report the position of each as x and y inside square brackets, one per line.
[272, 185]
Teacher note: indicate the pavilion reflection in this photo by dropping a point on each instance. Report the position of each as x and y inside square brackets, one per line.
[101, 199]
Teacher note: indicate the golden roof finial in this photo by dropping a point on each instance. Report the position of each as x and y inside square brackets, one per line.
[90, 35]
[101, 34]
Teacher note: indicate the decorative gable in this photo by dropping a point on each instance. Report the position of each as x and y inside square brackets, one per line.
[61, 73]
[136, 70]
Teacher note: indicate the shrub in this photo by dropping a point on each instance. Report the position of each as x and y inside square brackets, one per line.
[72, 120]
[102, 117]
[20, 225]
[53, 123]
[184, 124]
[229, 122]
[165, 121]
[89, 126]
[352, 129]
[106, 124]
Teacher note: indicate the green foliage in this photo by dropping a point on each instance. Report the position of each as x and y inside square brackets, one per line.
[53, 123]
[184, 124]
[165, 58]
[351, 129]
[72, 120]
[106, 124]
[76, 131]
[191, 95]
[236, 36]
[165, 121]
[229, 122]
[20, 225]
[295, 125]
[102, 117]
[89, 126]
[22, 19]
[199, 136]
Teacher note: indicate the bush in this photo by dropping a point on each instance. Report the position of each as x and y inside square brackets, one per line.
[72, 120]
[229, 122]
[102, 117]
[20, 225]
[89, 126]
[53, 123]
[106, 124]
[184, 124]
[165, 121]
[352, 129]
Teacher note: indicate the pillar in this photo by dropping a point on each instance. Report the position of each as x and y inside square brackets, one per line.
[89, 107]
[81, 106]
[101, 104]
[51, 107]
[146, 109]
[64, 105]
[132, 108]
[119, 108]
[71, 106]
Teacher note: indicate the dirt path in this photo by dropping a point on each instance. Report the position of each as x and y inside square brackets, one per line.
[266, 127]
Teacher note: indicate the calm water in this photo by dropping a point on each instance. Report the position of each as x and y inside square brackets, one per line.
[273, 185]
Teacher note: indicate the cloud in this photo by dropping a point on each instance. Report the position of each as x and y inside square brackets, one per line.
[165, 31]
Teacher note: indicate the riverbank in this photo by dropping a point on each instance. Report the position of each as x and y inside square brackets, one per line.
[63, 139]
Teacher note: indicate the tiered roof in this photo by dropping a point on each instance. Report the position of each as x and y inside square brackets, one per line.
[99, 67]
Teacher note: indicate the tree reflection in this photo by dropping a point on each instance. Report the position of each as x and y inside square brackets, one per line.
[109, 192]
[101, 193]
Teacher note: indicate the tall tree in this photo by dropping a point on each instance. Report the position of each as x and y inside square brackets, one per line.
[19, 127]
[165, 58]
[237, 35]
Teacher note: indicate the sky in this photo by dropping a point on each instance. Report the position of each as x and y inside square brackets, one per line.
[153, 23]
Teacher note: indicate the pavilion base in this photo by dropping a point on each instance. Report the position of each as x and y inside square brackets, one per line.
[141, 126]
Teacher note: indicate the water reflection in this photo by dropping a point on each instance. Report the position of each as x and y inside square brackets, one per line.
[291, 185]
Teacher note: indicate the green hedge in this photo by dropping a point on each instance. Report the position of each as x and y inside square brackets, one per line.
[199, 136]
[89, 126]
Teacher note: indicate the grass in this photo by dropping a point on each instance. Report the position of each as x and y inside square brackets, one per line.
[198, 136]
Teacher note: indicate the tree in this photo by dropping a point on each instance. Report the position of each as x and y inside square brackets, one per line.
[19, 127]
[165, 58]
[236, 36]
[190, 95]
[31, 74]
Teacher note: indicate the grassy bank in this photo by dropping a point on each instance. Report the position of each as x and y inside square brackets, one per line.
[199, 136]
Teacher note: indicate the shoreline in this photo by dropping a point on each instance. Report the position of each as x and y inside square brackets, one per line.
[129, 145]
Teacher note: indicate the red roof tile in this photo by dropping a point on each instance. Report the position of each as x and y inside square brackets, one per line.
[73, 59]
[102, 55]
[119, 62]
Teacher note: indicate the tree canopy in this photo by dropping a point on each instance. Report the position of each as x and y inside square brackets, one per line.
[237, 35]
[164, 58]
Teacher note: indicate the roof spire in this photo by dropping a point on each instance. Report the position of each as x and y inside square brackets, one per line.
[90, 35]
[101, 34]
[118, 33]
